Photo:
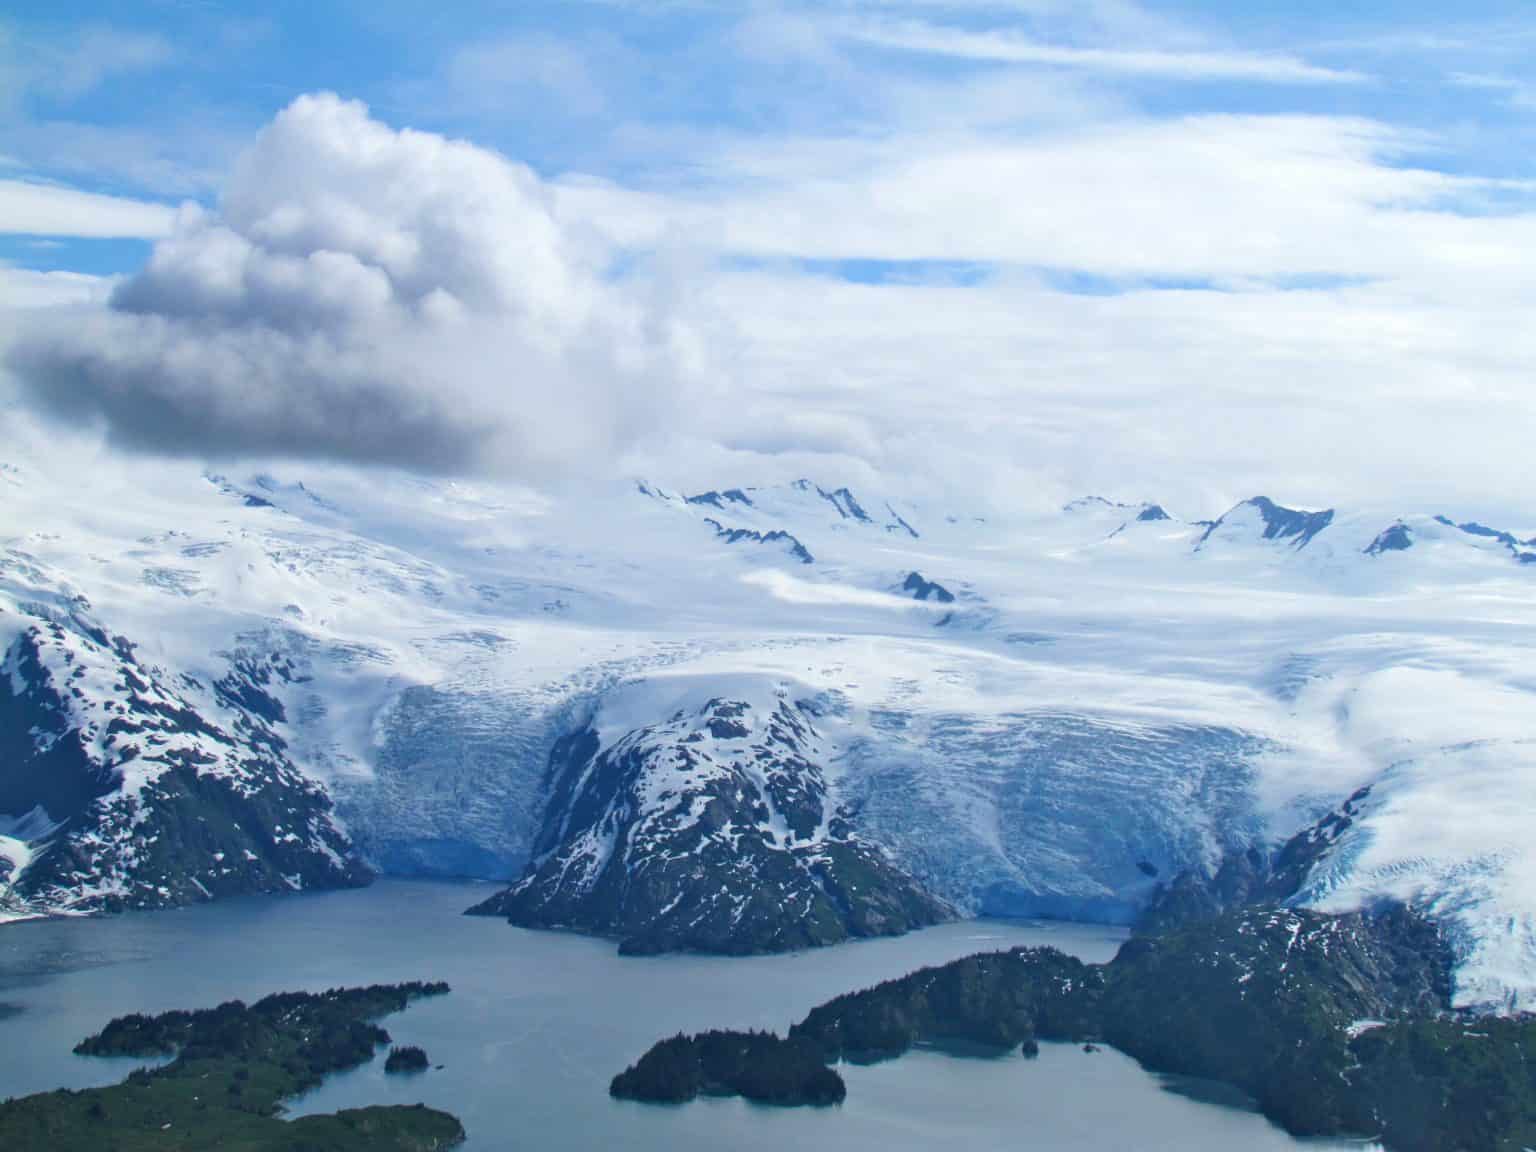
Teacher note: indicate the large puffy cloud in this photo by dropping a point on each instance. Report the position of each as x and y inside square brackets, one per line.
[1268, 304]
[375, 295]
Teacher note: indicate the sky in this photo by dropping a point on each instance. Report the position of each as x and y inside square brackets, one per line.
[1011, 251]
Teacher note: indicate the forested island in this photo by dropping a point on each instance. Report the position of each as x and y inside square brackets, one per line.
[405, 1060]
[233, 1066]
[756, 1065]
[1334, 1025]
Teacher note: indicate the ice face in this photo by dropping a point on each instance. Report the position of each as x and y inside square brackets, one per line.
[1105, 701]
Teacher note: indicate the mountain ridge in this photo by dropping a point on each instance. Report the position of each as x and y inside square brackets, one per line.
[1102, 709]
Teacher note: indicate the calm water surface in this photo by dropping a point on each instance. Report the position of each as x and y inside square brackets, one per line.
[538, 1022]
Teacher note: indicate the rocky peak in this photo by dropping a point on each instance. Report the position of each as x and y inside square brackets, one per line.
[698, 832]
[1274, 522]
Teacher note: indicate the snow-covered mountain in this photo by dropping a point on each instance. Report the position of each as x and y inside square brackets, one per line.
[710, 831]
[128, 787]
[1033, 714]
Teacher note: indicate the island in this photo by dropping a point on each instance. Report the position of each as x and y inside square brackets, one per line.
[758, 1066]
[230, 1069]
[712, 831]
[406, 1059]
[1335, 1026]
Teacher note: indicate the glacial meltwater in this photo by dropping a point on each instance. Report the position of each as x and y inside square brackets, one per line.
[538, 1023]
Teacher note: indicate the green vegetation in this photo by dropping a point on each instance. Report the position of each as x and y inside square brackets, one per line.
[994, 1001]
[1452, 1083]
[1265, 1000]
[198, 837]
[677, 882]
[1335, 1025]
[407, 1059]
[232, 1067]
[756, 1065]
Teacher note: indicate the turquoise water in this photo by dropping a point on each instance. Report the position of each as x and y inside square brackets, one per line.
[538, 1023]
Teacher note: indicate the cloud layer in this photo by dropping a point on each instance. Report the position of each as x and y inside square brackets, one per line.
[1013, 252]
[367, 294]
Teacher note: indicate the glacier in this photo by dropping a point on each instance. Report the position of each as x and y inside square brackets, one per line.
[1112, 695]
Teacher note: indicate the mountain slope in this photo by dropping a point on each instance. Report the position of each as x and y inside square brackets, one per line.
[713, 831]
[1106, 703]
[139, 793]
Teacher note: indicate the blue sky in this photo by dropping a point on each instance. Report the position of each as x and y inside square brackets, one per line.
[154, 99]
[1083, 216]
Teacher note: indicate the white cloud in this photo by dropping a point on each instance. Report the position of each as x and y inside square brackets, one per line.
[91, 57]
[1011, 395]
[1009, 47]
[1230, 198]
[37, 209]
[1350, 311]
[67, 67]
[185, 156]
[373, 295]
[23, 288]
[166, 144]
[1516, 93]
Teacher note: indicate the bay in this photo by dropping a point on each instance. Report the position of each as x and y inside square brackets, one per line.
[538, 1023]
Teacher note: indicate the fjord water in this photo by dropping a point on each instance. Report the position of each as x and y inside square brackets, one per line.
[538, 1022]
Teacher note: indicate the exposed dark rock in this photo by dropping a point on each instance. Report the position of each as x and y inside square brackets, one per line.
[923, 589]
[721, 499]
[1280, 523]
[216, 808]
[246, 685]
[897, 524]
[1397, 538]
[1249, 877]
[777, 536]
[44, 763]
[711, 832]
[1146, 513]
[1473, 528]
[1191, 896]
[843, 500]
[1508, 539]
